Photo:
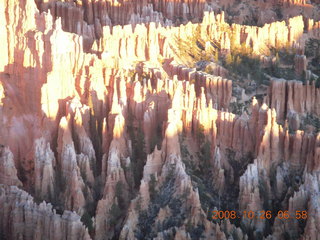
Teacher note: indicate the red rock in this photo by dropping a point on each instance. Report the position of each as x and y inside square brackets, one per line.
[72, 95]
[300, 65]
[25, 219]
[302, 99]
[8, 174]
[44, 169]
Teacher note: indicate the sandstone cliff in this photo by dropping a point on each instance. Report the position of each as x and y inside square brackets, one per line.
[99, 117]
[286, 96]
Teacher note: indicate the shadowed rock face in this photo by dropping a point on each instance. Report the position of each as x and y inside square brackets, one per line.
[132, 123]
[29, 220]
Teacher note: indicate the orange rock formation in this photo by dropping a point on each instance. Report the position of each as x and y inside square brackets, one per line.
[103, 120]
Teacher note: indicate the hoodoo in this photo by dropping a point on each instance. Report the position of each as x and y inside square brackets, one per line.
[159, 119]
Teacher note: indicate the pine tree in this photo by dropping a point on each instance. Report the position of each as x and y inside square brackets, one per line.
[229, 60]
[216, 56]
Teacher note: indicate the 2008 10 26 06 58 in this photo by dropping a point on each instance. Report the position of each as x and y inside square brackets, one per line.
[259, 214]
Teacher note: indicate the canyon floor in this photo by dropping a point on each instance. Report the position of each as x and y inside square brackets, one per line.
[159, 119]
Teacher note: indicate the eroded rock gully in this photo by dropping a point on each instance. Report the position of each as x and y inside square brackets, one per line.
[100, 120]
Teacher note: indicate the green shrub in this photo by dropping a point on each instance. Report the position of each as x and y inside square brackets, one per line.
[192, 50]
[200, 134]
[311, 119]
[152, 186]
[278, 10]
[87, 221]
[115, 214]
[318, 82]
[237, 108]
[139, 154]
[312, 48]
[242, 62]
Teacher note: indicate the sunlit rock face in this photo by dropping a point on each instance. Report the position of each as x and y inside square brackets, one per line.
[142, 119]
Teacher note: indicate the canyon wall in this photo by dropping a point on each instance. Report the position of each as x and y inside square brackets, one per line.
[293, 96]
[104, 121]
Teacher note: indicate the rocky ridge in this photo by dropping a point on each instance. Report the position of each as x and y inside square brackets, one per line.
[104, 122]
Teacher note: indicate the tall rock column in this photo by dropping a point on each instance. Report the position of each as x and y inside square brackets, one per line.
[8, 171]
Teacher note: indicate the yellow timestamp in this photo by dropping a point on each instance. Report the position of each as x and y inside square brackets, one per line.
[303, 215]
